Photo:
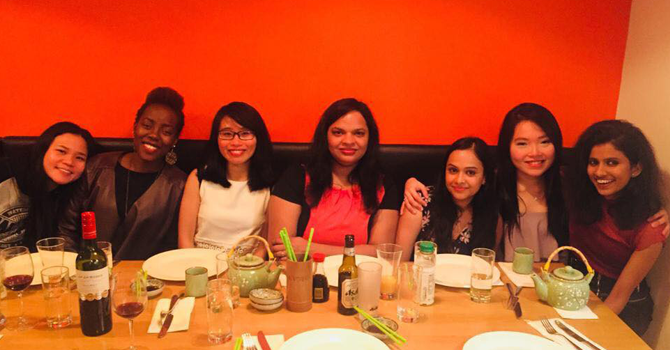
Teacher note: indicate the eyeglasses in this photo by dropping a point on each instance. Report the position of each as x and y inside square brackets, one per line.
[229, 135]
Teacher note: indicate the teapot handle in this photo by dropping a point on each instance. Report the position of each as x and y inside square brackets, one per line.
[551, 257]
[267, 246]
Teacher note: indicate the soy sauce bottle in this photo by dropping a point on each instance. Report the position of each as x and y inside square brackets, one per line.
[320, 291]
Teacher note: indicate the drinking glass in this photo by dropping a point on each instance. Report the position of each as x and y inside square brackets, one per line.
[56, 285]
[408, 292]
[369, 285]
[51, 251]
[481, 274]
[106, 247]
[221, 268]
[19, 273]
[129, 297]
[219, 311]
[389, 256]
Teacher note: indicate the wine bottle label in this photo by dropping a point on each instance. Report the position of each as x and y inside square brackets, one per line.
[349, 292]
[93, 285]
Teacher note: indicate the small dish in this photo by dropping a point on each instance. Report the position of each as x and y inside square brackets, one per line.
[154, 287]
[372, 330]
[267, 307]
[266, 296]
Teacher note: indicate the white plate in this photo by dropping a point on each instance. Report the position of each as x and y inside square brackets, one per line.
[509, 341]
[69, 259]
[332, 263]
[453, 270]
[333, 339]
[171, 265]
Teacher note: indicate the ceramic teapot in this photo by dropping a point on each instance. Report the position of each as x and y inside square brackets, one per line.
[249, 271]
[565, 288]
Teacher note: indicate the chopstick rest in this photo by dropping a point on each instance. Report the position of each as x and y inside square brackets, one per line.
[181, 312]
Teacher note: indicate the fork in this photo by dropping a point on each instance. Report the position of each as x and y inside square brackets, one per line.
[248, 342]
[551, 330]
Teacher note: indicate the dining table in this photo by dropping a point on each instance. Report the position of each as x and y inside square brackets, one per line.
[447, 324]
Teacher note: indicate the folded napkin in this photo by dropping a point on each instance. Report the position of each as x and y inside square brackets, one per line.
[559, 339]
[519, 280]
[275, 341]
[584, 313]
[181, 312]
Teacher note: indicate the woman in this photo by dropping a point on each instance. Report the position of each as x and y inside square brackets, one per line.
[226, 198]
[614, 187]
[339, 190]
[33, 193]
[136, 195]
[461, 214]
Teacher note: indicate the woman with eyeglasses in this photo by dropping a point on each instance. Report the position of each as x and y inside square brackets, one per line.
[225, 199]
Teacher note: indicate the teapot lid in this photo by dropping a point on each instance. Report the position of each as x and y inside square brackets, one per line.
[568, 273]
[249, 260]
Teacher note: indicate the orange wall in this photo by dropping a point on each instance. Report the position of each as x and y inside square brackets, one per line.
[431, 70]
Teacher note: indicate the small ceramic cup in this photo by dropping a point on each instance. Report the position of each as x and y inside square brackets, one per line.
[196, 281]
[523, 260]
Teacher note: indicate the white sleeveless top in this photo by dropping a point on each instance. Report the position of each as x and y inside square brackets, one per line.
[228, 214]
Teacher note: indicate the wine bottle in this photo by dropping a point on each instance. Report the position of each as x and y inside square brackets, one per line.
[95, 306]
[347, 281]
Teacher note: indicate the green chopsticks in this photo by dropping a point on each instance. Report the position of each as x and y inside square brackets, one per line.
[290, 254]
[397, 338]
[238, 343]
[309, 243]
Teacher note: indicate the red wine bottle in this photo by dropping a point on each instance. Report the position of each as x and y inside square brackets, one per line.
[95, 308]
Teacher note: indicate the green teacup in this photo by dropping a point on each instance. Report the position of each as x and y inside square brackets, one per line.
[196, 281]
[523, 260]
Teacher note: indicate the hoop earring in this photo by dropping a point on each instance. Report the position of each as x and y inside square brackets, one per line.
[171, 157]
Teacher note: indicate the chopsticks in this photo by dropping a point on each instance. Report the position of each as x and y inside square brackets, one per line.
[238, 343]
[309, 243]
[290, 254]
[397, 338]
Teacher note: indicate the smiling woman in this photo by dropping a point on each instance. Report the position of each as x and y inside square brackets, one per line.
[136, 195]
[33, 195]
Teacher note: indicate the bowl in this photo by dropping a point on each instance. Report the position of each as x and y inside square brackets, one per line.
[154, 287]
[371, 329]
[266, 296]
[267, 307]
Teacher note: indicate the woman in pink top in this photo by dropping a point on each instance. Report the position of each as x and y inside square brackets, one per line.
[614, 188]
[340, 189]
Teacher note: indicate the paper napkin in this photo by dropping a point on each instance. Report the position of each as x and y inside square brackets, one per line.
[275, 341]
[559, 339]
[584, 313]
[519, 280]
[181, 312]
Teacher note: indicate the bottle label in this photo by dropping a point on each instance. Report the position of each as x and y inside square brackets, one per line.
[318, 293]
[349, 251]
[426, 281]
[349, 292]
[93, 285]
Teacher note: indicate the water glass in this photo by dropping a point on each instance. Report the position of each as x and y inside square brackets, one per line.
[481, 274]
[408, 293]
[389, 255]
[51, 250]
[56, 287]
[219, 311]
[106, 247]
[369, 286]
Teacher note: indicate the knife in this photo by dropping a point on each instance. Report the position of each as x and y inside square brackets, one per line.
[575, 335]
[264, 342]
[169, 316]
[517, 309]
[512, 298]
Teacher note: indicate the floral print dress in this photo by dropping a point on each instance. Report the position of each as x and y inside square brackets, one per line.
[461, 245]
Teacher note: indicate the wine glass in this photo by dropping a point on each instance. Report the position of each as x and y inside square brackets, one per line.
[19, 273]
[129, 297]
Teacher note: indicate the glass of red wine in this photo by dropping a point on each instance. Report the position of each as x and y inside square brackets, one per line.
[18, 276]
[129, 297]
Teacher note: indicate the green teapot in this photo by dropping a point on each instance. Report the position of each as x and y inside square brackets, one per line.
[566, 288]
[249, 271]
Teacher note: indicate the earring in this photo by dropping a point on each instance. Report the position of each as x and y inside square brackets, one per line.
[171, 157]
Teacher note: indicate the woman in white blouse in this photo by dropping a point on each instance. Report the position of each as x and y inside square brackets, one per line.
[226, 198]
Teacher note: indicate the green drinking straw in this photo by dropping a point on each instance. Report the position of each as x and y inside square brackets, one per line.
[309, 243]
[287, 243]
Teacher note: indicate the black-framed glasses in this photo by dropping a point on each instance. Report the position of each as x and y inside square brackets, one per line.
[243, 135]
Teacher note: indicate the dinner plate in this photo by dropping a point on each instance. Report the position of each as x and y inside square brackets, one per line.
[453, 270]
[171, 265]
[333, 339]
[332, 263]
[509, 341]
[68, 260]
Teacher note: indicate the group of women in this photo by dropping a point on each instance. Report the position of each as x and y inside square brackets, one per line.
[611, 208]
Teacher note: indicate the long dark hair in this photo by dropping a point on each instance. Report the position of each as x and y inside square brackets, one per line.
[634, 203]
[45, 205]
[319, 165]
[215, 166]
[507, 177]
[167, 97]
[444, 212]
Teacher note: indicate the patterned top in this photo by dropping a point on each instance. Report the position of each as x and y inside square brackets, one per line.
[461, 245]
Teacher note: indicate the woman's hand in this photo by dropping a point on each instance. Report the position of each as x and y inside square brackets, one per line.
[661, 218]
[415, 196]
[299, 245]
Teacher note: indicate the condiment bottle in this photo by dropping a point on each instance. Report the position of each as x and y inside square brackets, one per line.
[347, 279]
[320, 291]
